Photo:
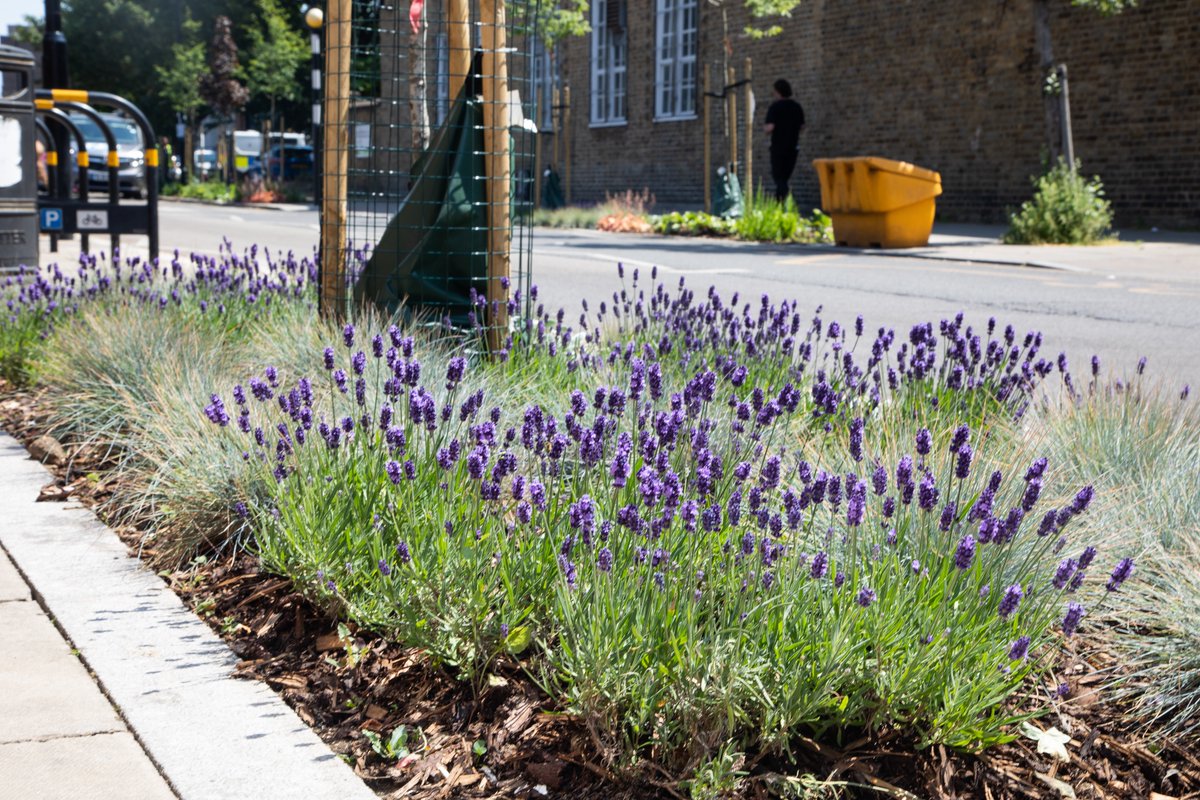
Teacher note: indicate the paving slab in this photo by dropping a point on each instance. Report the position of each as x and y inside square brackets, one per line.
[12, 585]
[211, 735]
[106, 766]
[47, 691]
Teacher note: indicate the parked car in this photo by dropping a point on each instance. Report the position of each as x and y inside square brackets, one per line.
[204, 164]
[130, 151]
[289, 162]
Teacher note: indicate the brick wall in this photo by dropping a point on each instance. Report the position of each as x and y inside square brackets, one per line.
[953, 85]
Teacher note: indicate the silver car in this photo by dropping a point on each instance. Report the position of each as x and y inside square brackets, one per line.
[130, 151]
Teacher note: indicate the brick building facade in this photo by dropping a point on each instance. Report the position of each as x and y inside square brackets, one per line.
[953, 85]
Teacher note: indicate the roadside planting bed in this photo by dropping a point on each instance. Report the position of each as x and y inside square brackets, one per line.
[669, 544]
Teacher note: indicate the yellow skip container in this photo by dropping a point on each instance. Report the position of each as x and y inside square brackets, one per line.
[877, 202]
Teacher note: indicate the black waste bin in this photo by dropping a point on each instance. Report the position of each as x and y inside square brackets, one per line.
[18, 161]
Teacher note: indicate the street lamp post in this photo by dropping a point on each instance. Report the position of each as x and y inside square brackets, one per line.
[315, 18]
[55, 75]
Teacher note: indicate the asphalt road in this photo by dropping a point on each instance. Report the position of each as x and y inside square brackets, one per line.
[1121, 312]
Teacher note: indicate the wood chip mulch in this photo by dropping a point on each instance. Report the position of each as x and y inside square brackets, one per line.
[509, 740]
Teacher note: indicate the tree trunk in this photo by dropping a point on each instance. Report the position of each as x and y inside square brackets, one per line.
[417, 107]
[1045, 52]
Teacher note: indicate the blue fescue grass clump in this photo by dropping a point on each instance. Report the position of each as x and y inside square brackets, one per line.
[701, 530]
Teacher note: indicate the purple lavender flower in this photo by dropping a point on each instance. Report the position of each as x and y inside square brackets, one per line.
[384, 569]
[216, 412]
[866, 596]
[962, 463]
[402, 553]
[1087, 557]
[928, 496]
[1036, 469]
[1019, 649]
[839, 578]
[904, 471]
[1010, 601]
[879, 480]
[924, 441]
[1062, 575]
[1033, 490]
[1075, 614]
[949, 515]
[604, 560]
[329, 358]
[455, 371]
[393, 471]
[1049, 523]
[1082, 500]
[889, 507]
[856, 438]
[1120, 574]
[348, 335]
[820, 565]
[964, 554]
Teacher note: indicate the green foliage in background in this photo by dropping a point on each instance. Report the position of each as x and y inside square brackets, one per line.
[1067, 208]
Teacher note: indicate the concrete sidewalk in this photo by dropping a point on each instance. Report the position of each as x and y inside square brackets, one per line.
[1144, 253]
[60, 737]
[160, 715]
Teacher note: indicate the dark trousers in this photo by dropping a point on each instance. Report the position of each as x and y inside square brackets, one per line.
[783, 163]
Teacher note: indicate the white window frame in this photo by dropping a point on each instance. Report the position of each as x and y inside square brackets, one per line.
[545, 80]
[675, 42]
[610, 57]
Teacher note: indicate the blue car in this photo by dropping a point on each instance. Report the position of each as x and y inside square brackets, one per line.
[289, 162]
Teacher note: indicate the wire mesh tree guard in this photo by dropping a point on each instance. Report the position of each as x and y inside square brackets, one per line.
[428, 160]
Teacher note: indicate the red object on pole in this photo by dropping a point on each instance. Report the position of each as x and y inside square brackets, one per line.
[414, 15]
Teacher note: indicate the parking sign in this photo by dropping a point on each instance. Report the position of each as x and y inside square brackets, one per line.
[52, 219]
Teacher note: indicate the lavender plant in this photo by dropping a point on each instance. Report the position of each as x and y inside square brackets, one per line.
[683, 575]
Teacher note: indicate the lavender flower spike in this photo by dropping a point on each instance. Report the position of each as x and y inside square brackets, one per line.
[1010, 601]
[1120, 574]
[1019, 649]
[1075, 614]
[965, 553]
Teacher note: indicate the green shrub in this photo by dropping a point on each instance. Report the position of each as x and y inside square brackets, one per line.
[1066, 208]
[210, 191]
[692, 223]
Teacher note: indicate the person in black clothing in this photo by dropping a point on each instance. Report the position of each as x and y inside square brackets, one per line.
[785, 120]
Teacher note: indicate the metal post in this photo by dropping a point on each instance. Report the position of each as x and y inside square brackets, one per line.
[315, 41]
[56, 75]
[1064, 99]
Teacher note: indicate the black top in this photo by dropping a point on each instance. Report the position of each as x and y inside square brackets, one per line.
[788, 118]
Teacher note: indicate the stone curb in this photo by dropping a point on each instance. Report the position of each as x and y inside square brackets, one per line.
[211, 735]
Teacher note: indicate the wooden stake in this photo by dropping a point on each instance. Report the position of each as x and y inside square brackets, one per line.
[748, 188]
[707, 138]
[497, 145]
[333, 158]
[567, 145]
[458, 40]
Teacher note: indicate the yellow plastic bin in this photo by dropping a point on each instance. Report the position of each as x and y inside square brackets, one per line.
[877, 202]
